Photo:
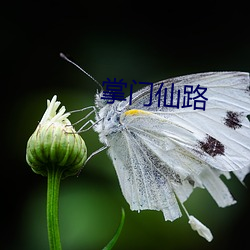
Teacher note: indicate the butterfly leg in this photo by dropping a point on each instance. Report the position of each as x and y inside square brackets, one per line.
[91, 155]
[83, 127]
[96, 152]
[86, 116]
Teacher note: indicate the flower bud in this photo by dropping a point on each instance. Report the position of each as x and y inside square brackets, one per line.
[55, 144]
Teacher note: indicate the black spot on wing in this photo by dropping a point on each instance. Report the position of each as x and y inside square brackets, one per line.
[212, 146]
[233, 119]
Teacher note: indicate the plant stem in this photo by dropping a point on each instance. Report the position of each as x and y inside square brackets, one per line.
[54, 177]
[117, 234]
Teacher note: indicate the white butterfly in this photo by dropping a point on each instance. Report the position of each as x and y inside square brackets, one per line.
[161, 153]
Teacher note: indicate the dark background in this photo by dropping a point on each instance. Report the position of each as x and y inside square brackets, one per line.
[145, 41]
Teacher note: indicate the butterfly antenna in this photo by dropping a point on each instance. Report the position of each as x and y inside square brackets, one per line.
[68, 60]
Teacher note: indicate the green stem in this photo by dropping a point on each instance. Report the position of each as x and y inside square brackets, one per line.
[54, 177]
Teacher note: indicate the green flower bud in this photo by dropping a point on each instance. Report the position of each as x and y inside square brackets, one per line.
[55, 144]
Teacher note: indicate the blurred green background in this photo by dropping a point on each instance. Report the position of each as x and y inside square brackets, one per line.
[144, 41]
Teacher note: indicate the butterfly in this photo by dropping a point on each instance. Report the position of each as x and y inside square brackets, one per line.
[162, 153]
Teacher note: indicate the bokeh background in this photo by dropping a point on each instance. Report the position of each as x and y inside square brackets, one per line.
[144, 41]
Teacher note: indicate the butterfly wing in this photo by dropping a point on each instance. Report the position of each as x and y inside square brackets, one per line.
[163, 152]
[222, 131]
[141, 183]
